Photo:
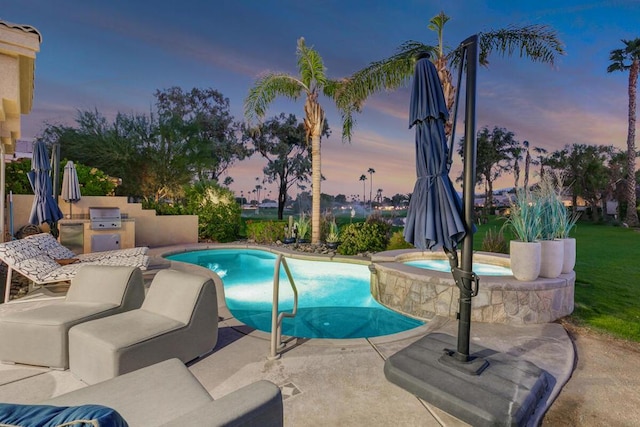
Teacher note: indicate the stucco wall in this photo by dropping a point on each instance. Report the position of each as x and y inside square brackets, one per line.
[150, 229]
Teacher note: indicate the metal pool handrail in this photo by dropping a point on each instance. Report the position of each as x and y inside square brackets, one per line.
[276, 319]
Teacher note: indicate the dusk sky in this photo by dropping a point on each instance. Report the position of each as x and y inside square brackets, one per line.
[113, 55]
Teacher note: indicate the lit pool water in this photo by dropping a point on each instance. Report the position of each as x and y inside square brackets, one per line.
[479, 268]
[334, 300]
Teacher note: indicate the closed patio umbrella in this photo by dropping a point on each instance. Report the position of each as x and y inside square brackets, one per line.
[434, 218]
[70, 185]
[44, 209]
[486, 387]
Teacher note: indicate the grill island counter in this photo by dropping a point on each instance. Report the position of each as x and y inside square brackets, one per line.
[104, 229]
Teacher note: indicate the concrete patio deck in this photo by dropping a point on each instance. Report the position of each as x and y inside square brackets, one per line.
[324, 382]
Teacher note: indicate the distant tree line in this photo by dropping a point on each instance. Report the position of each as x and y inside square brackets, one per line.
[595, 173]
[191, 136]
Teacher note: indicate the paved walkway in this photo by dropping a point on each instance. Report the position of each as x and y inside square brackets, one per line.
[324, 382]
[603, 389]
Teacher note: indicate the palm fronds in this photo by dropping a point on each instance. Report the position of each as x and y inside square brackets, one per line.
[618, 57]
[266, 89]
[310, 65]
[386, 74]
[338, 90]
[539, 43]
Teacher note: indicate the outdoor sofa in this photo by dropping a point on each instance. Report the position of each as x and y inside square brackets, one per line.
[40, 335]
[178, 319]
[164, 394]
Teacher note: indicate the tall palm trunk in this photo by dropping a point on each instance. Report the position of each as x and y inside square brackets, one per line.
[316, 175]
[632, 213]
[527, 164]
[448, 89]
[314, 120]
[282, 197]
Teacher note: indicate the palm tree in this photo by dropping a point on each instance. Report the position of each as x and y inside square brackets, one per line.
[623, 60]
[540, 159]
[363, 178]
[527, 165]
[516, 156]
[539, 43]
[312, 81]
[371, 171]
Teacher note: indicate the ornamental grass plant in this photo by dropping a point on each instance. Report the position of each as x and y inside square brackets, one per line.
[557, 220]
[303, 225]
[494, 241]
[333, 235]
[525, 217]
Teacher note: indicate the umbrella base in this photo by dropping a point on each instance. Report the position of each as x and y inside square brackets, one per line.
[472, 366]
[491, 389]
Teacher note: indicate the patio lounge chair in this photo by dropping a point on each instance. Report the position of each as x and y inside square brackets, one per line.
[39, 336]
[167, 394]
[51, 247]
[178, 319]
[35, 258]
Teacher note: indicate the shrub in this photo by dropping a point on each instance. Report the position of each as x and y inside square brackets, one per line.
[16, 177]
[494, 241]
[397, 242]
[371, 236]
[349, 239]
[218, 213]
[164, 208]
[266, 232]
[93, 182]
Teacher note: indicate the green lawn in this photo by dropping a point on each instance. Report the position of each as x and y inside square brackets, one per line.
[607, 293]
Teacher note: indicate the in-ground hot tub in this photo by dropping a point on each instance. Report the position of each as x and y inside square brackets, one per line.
[425, 293]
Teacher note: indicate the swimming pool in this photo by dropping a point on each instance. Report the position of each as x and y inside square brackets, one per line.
[334, 299]
[481, 269]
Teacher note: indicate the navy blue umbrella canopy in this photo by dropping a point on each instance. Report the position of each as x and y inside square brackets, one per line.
[45, 208]
[434, 219]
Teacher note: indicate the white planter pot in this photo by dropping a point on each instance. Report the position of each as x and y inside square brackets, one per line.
[569, 255]
[552, 258]
[525, 259]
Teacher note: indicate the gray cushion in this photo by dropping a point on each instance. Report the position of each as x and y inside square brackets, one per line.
[167, 394]
[119, 331]
[174, 294]
[178, 319]
[113, 284]
[39, 336]
[147, 397]
[258, 404]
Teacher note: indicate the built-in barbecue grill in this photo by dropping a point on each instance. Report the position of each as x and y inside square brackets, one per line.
[105, 218]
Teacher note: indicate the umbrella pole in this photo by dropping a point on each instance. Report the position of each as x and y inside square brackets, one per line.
[466, 292]
[463, 275]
